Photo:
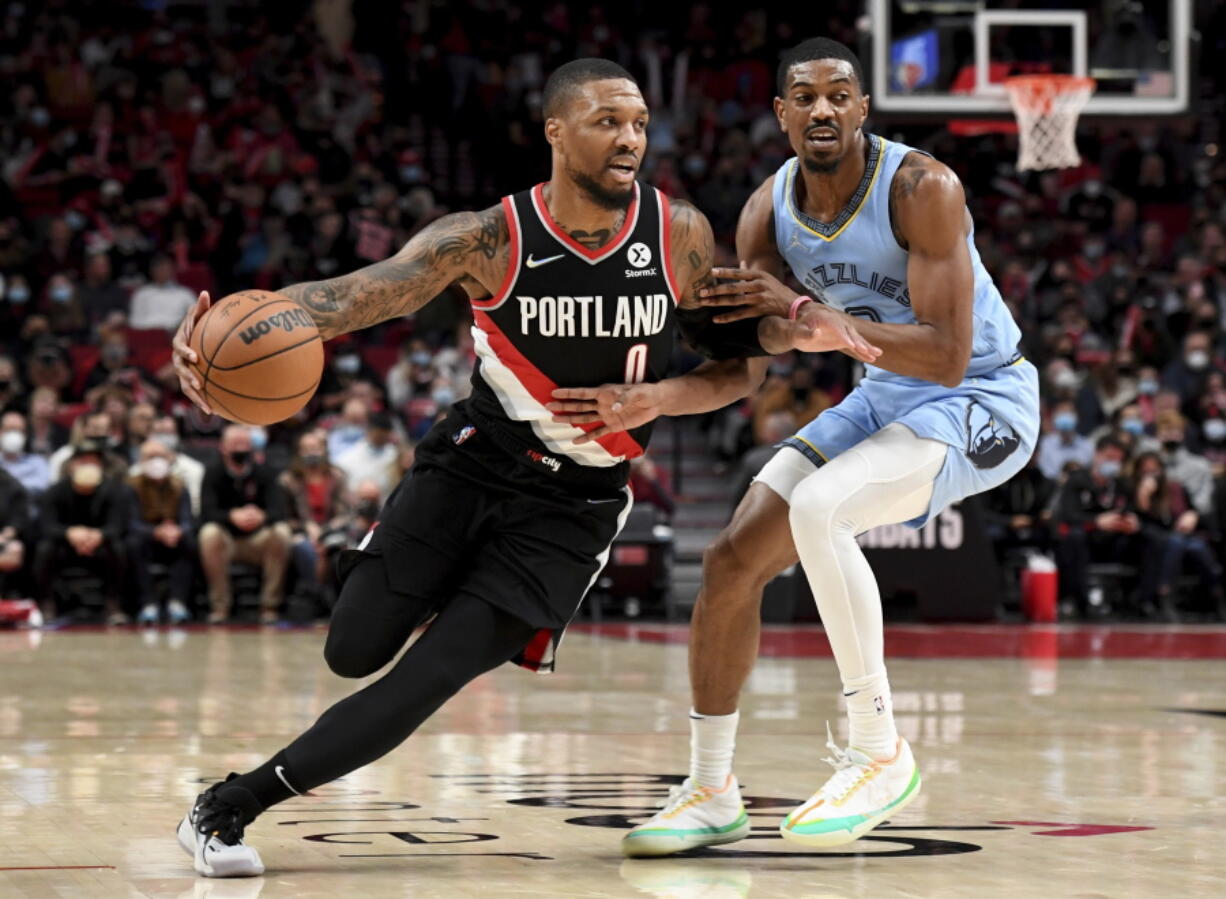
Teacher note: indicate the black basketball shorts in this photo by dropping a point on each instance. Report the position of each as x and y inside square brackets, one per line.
[470, 519]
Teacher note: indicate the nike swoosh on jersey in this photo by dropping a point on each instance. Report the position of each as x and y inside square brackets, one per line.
[537, 263]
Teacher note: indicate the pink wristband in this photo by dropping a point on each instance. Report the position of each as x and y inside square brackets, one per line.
[796, 304]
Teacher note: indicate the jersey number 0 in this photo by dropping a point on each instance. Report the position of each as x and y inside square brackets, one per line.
[636, 364]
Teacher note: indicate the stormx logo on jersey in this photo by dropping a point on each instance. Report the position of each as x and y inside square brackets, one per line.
[639, 256]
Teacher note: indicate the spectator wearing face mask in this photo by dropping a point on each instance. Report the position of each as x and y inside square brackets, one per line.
[1213, 438]
[84, 517]
[96, 428]
[165, 430]
[1128, 427]
[30, 470]
[319, 505]
[16, 305]
[14, 535]
[1186, 375]
[412, 375]
[115, 367]
[243, 510]
[160, 532]
[1092, 520]
[346, 369]
[65, 314]
[1062, 378]
[1148, 386]
[162, 302]
[1062, 444]
[348, 430]
[374, 457]
[1173, 533]
[1191, 471]
[46, 435]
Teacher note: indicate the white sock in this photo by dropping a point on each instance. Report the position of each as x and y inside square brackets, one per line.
[712, 743]
[870, 711]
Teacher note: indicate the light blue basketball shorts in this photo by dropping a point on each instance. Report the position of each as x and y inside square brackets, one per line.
[990, 423]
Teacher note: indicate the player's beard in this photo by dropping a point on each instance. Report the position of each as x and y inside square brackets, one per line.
[821, 166]
[616, 200]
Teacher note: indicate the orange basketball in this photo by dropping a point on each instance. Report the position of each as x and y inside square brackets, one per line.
[259, 357]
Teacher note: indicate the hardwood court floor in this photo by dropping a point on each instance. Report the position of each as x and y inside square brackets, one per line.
[1049, 769]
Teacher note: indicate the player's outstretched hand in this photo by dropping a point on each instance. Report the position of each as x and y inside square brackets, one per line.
[183, 356]
[823, 329]
[614, 407]
[756, 292]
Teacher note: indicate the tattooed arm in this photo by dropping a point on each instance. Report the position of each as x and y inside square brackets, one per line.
[465, 247]
[468, 248]
[930, 221]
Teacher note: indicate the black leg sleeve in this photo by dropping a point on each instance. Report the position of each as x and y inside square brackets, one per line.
[468, 638]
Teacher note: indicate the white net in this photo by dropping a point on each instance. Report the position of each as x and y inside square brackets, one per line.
[1047, 108]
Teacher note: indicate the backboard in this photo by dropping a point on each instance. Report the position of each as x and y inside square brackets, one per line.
[952, 56]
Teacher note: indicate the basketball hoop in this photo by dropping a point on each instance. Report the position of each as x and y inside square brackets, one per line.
[1047, 108]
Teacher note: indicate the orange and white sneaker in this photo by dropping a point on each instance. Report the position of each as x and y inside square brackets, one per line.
[693, 816]
[861, 794]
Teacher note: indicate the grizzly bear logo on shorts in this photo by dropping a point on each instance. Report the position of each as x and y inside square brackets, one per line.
[989, 441]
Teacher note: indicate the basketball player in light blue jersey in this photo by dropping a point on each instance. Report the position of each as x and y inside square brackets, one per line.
[875, 230]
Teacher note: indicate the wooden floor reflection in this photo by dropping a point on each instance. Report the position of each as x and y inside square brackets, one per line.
[1044, 776]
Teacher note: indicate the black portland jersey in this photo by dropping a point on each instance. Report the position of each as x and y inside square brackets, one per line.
[567, 316]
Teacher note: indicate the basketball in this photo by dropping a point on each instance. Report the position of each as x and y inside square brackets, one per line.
[259, 357]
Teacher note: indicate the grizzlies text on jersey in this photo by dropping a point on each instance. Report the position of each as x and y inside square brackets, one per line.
[855, 264]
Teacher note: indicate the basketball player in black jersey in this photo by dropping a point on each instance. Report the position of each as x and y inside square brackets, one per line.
[515, 497]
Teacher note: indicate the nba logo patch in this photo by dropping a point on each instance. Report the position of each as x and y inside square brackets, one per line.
[879, 704]
[463, 434]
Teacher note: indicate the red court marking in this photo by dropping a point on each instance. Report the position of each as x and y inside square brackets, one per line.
[65, 868]
[1072, 830]
[994, 641]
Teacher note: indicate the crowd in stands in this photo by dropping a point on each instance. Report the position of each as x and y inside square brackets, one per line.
[150, 152]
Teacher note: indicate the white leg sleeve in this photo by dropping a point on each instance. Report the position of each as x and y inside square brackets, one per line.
[886, 479]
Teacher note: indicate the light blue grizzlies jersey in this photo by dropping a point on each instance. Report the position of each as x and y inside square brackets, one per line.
[855, 264]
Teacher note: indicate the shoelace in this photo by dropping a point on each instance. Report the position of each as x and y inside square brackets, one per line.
[220, 819]
[683, 794]
[847, 773]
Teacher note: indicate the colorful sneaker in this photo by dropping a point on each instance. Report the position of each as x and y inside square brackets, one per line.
[693, 816]
[861, 794]
[212, 833]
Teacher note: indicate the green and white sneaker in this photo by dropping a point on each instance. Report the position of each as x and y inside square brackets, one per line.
[693, 816]
[861, 794]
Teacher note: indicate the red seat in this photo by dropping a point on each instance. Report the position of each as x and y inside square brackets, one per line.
[146, 340]
[84, 357]
[197, 277]
[68, 414]
[381, 358]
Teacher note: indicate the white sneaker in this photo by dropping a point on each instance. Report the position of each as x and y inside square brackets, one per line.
[148, 614]
[212, 833]
[177, 612]
[693, 816]
[861, 794]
